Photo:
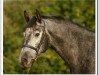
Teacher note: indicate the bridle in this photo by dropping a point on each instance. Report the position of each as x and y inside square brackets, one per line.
[42, 40]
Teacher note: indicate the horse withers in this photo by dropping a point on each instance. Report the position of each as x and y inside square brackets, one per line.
[74, 43]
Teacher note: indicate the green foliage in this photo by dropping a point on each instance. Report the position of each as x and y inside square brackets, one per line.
[80, 11]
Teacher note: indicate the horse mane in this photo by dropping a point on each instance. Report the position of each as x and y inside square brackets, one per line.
[66, 20]
[54, 17]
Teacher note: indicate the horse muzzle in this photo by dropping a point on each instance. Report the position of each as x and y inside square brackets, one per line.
[26, 64]
[27, 57]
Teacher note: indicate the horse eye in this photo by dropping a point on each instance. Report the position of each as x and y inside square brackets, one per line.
[37, 34]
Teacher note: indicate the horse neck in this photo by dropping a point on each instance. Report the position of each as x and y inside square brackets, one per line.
[63, 39]
[57, 36]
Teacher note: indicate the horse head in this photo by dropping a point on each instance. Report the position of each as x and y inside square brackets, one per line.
[35, 39]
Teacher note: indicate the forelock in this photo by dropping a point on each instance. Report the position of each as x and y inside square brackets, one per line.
[32, 22]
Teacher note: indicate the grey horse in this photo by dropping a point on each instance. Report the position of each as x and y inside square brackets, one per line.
[74, 43]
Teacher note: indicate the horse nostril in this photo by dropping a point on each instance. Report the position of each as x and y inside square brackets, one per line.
[24, 59]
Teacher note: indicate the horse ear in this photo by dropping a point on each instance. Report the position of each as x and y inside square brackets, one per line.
[38, 16]
[27, 18]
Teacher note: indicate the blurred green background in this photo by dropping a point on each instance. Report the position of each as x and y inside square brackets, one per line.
[80, 11]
